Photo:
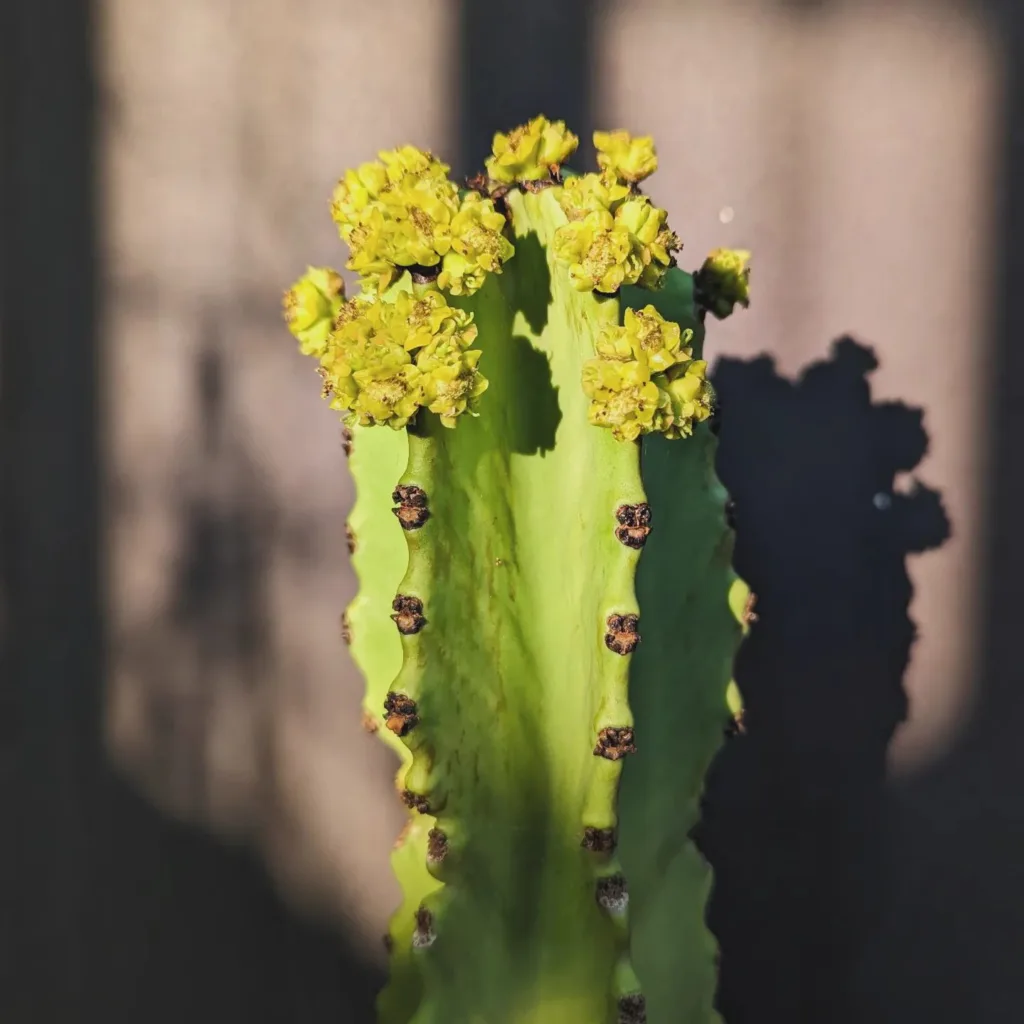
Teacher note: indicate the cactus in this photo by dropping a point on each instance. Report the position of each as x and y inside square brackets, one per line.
[530, 430]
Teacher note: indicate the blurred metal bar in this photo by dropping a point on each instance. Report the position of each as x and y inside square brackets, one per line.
[535, 57]
[52, 649]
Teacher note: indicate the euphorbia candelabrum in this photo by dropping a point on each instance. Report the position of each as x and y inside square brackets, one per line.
[530, 428]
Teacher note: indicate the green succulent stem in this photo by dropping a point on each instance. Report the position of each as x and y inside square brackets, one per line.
[547, 611]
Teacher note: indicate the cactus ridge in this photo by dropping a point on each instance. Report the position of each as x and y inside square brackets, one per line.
[546, 617]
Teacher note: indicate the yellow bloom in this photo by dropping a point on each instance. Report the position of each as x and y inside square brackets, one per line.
[417, 321]
[450, 380]
[622, 397]
[652, 242]
[478, 246]
[685, 398]
[723, 281]
[528, 152]
[389, 395]
[354, 194]
[644, 379]
[310, 306]
[589, 193]
[598, 252]
[653, 339]
[409, 160]
[629, 159]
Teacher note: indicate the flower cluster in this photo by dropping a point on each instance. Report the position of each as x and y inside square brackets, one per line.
[645, 380]
[381, 361]
[402, 211]
[310, 306]
[723, 282]
[529, 152]
[613, 237]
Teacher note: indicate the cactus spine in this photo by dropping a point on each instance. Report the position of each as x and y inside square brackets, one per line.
[545, 496]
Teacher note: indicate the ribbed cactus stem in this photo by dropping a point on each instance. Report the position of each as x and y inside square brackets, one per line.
[538, 355]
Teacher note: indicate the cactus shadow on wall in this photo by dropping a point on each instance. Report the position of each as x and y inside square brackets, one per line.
[795, 806]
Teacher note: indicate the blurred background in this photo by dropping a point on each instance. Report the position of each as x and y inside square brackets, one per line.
[194, 826]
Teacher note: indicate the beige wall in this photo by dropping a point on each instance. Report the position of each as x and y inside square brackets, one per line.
[852, 150]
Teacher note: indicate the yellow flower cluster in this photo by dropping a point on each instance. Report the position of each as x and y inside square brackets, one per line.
[382, 361]
[529, 152]
[645, 380]
[724, 281]
[403, 211]
[613, 237]
[310, 306]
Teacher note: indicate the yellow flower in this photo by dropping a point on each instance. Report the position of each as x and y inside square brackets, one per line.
[622, 397]
[589, 193]
[417, 321]
[629, 159]
[386, 359]
[652, 242]
[371, 249]
[409, 160]
[598, 252]
[354, 194]
[685, 398]
[653, 339]
[450, 380]
[644, 379]
[310, 306]
[388, 394]
[723, 281]
[478, 246]
[528, 152]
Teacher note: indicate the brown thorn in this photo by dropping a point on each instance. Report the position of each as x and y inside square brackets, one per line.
[632, 1010]
[749, 615]
[634, 524]
[400, 713]
[612, 893]
[408, 614]
[423, 935]
[614, 743]
[369, 722]
[346, 441]
[622, 636]
[350, 538]
[437, 846]
[415, 802]
[598, 840]
[411, 506]
[346, 629]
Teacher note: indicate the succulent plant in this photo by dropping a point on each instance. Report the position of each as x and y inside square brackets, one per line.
[530, 428]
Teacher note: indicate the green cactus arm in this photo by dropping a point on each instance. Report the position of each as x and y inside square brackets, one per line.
[517, 572]
[514, 597]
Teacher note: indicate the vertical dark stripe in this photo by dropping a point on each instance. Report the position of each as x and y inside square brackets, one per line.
[517, 61]
[49, 443]
[1004, 559]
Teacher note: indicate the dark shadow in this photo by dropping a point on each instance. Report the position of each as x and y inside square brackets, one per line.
[795, 807]
[534, 432]
[531, 282]
[110, 911]
[950, 947]
[533, 57]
